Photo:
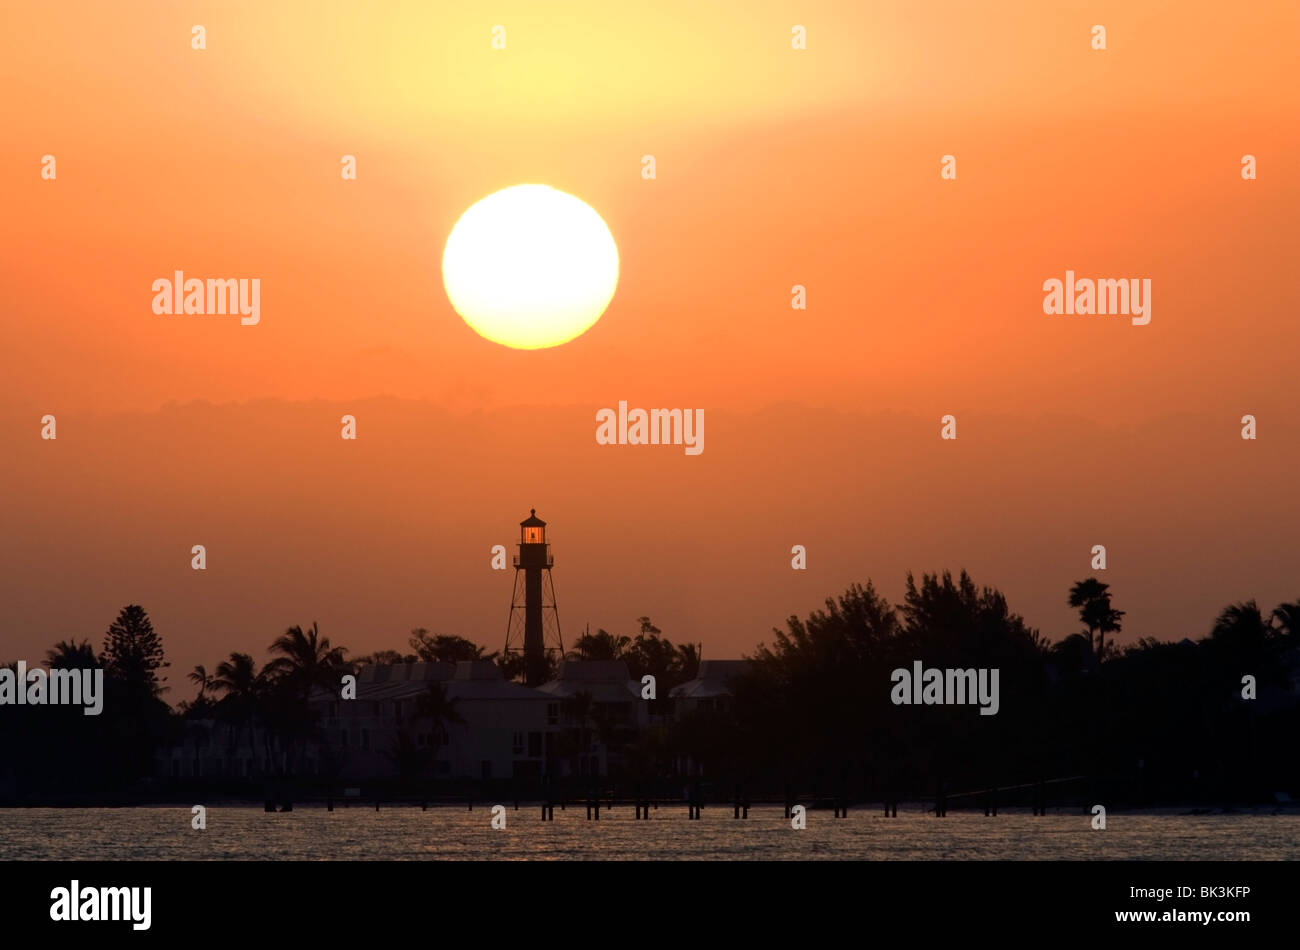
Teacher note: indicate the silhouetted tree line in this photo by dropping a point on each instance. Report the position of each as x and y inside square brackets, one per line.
[649, 652]
[58, 749]
[1150, 722]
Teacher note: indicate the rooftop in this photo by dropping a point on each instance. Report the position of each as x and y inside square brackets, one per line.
[606, 680]
[713, 679]
[468, 679]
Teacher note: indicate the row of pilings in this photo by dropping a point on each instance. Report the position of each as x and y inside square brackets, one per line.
[647, 797]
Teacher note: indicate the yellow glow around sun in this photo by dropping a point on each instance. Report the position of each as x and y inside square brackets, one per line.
[530, 267]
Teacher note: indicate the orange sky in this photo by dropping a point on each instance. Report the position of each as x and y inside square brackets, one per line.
[775, 167]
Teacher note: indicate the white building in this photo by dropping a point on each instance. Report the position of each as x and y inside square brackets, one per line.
[614, 707]
[504, 730]
[214, 750]
[710, 690]
[573, 725]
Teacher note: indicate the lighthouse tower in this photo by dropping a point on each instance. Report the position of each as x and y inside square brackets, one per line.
[534, 622]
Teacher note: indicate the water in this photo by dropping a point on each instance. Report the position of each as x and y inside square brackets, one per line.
[405, 832]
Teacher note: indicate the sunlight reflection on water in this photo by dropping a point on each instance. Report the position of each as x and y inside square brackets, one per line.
[406, 832]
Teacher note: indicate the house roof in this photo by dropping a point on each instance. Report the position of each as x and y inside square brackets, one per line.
[403, 672]
[593, 671]
[713, 679]
[468, 679]
[482, 679]
[606, 680]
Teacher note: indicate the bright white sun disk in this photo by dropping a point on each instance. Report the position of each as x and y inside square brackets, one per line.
[530, 267]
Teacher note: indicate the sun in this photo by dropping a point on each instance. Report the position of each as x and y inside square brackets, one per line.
[530, 267]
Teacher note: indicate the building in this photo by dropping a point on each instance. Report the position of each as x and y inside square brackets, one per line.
[496, 729]
[598, 703]
[212, 750]
[710, 690]
[574, 725]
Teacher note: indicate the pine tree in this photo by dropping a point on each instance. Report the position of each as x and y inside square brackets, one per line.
[133, 652]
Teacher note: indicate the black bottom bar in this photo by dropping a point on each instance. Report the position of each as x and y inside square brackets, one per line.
[1030, 900]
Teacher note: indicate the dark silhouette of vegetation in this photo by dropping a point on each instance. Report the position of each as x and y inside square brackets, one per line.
[446, 649]
[430, 648]
[1092, 599]
[68, 655]
[1152, 722]
[1146, 723]
[133, 653]
[439, 712]
[650, 652]
[435, 713]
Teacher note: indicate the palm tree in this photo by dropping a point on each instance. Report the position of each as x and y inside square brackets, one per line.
[199, 677]
[70, 655]
[408, 757]
[1243, 617]
[578, 710]
[202, 705]
[1286, 617]
[1243, 625]
[242, 688]
[306, 660]
[601, 645]
[441, 712]
[1108, 621]
[1092, 599]
[238, 680]
[688, 659]
[610, 729]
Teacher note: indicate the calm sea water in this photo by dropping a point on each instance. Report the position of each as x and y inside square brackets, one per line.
[404, 832]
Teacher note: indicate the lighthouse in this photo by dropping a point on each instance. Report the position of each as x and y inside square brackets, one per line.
[534, 621]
